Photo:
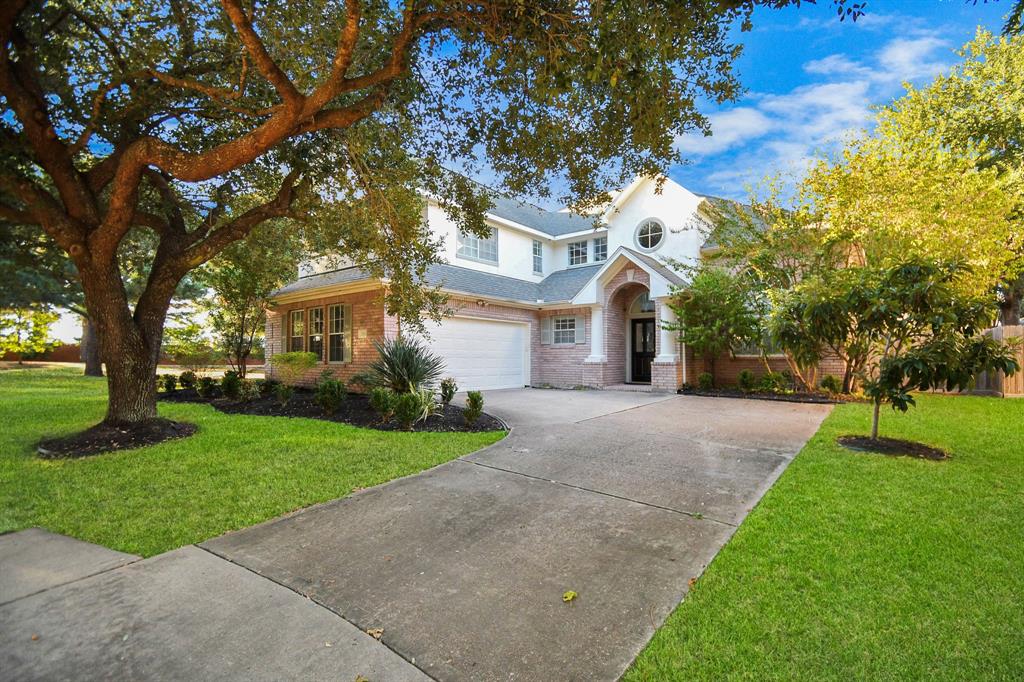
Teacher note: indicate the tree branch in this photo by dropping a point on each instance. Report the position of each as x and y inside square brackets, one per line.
[262, 59]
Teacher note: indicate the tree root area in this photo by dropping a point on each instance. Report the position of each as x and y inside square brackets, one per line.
[893, 447]
[109, 437]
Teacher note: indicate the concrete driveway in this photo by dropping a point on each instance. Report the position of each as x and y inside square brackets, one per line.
[620, 497]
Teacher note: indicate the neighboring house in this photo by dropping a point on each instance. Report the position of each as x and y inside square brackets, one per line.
[549, 299]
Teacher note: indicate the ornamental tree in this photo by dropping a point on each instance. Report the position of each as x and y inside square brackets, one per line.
[26, 330]
[156, 115]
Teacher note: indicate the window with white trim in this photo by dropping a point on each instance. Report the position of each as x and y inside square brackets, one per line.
[336, 333]
[538, 258]
[577, 253]
[600, 249]
[474, 248]
[649, 234]
[297, 335]
[564, 330]
[315, 319]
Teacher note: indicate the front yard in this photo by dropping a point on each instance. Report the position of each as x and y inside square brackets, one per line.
[860, 566]
[236, 471]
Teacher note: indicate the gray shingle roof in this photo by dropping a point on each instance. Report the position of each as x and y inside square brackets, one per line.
[554, 223]
[658, 267]
[558, 286]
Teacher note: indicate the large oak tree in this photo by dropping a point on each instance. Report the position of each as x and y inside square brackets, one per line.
[157, 115]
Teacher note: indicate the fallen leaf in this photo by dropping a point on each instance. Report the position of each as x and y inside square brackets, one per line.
[35, 637]
[691, 582]
[376, 633]
[360, 678]
[569, 596]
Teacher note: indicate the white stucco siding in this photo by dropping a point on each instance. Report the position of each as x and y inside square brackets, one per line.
[675, 207]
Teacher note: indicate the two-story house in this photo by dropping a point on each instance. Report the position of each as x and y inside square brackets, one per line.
[546, 299]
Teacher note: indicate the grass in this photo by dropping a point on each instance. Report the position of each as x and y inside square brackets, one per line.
[236, 471]
[860, 566]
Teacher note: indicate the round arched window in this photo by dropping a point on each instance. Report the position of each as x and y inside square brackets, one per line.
[649, 234]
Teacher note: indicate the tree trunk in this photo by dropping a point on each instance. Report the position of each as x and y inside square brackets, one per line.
[1010, 306]
[874, 419]
[91, 350]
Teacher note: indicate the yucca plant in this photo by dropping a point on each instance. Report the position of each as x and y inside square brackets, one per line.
[404, 365]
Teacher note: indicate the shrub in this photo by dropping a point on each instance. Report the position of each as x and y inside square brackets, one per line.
[746, 380]
[231, 385]
[187, 379]
[705, 381]
[169, 382]
[293, 366]
[382, 401]
[404, 365]
[408, 409]
[205, 387]
[774, 382]
[448, 390]
[330, 394]
[268, 387]
[248, 390]
[283, 393]
[474, 407]
[832, 384]
[428, 405]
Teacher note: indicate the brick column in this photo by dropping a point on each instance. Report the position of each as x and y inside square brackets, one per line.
[666, 370]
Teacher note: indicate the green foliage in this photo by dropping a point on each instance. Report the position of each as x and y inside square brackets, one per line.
[206, 387]
[428, 404]
[248, 390]
[25, 331]
[474, 407]
[284, 392]
[408, 409]
[187, 347]
[715, 313]
[831, 384]
[746, 380]
[169, 382]
[448, 390]
[382, 401]
[268, 387]
[705, 381]
[330, 394]
[187, 379]
[231, 385]
[291, 367]
[404, 365]
[774, 382]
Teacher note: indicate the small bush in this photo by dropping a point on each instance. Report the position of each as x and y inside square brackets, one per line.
[169, 382]
[283, 393]
[382, 401]
[428, 405]
[268, 387]
[248, 390]
[206, 387]
[404, 365]
[408, 409]
[293, 366]
[774, 382]
[362, 382]
[705, 381]
[231, 385]
[832, 384]
[330, 394]
[448, 390]
[474, 407]
[187, 379]
[746, 380]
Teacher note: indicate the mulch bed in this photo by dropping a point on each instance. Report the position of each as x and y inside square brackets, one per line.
[355, 410]
[107, 437]
[893, 447]
[816, 398]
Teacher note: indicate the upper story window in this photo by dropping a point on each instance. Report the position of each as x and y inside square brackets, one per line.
[577, 253]
[649, 234]
[474, 248]
[538, 258]
[600, 249]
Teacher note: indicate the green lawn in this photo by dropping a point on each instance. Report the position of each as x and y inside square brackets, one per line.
[236, 471]
[858, 566]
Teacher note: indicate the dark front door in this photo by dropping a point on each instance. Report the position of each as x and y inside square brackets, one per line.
[643, 350]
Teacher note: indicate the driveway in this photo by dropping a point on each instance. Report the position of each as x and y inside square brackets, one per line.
[620, 497]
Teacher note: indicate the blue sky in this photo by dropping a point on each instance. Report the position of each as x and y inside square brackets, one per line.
[810, 79]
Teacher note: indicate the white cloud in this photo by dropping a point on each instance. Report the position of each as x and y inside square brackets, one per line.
[906, 59]
[728, 129]
[837, 65]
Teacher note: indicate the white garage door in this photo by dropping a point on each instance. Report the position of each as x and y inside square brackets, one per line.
[481, 354]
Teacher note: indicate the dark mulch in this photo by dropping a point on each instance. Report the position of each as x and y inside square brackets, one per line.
[107, 437]
[816, 398]
[355, 410]
[893, 447]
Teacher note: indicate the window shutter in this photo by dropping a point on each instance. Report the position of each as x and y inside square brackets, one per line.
[348, 333]
[581, 330]
[545, 330]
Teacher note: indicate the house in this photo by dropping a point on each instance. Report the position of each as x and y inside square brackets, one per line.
[550, 298]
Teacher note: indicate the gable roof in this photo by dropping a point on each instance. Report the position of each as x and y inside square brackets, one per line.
[558, 287]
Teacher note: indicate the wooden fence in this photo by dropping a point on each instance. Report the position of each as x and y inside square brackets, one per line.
[996, 383]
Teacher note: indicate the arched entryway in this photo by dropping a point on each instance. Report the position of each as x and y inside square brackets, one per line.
[632, 329]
